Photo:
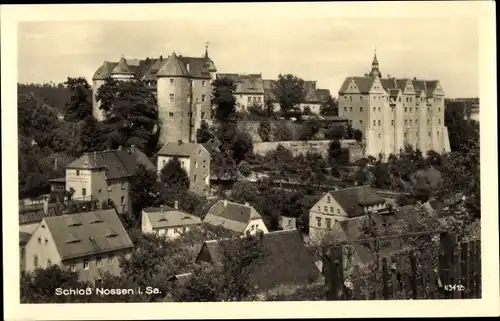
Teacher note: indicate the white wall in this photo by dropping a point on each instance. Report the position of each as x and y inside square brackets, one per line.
[254, 225]
[185, 162]
[78, 180]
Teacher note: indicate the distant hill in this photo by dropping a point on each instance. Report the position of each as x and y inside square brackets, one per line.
[54, 95]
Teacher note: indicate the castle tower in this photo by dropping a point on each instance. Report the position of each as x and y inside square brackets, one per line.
[211, 66]
[174, 100]
[98, 80]
[375, 72]
[122, 71]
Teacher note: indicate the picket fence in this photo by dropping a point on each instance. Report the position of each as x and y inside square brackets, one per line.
[456, 275]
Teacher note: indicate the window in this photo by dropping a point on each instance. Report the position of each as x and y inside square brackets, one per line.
[410, 121]
[438, 133]
[374, 109]
[350, 109]
[197, 100]
[49, 262]
[331, 209]
[429, 134]
[171, 97]
[249, 100]
[72, 268]
[405, 134]
[328, 199]
[123, 185]
[379, 135]
[84, 191]
[379, 109]
[35, 260]
[39, 240]
[319, 208]
[345, 108]
[171, 80]
[439, 121]
[203, 98]
[328, 223]
[77, 172]
[399, 99]
[416, 121]
[439, 109]
[46, 242]
[406, 122]
[326, 209]
[338, 210]
[98, 261]
[175, 230]
[123, 200]
[100, 190]
[361, 109]
[194, 178]
[110, 259]
[319, 221]
[406, 109]
[184, 229]
[416, 108]
[350, 98]
[202, 115]
[379, 122]
[374, 123]
[360, 122]
[171, 115]
[410, 109]
[392, 122]
[23, 252]
[203, 83]
[109, 188]
[85, 264]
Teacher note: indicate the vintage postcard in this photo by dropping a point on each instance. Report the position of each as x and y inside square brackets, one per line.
[249, 160]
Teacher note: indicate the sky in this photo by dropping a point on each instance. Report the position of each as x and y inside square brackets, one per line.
[325, 49]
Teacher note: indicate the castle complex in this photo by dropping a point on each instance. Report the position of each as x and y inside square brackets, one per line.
[392, 113]
[181, 84]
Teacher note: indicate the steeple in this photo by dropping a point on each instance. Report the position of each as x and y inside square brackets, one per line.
[206, 50]
[210, 64]
[375, 72]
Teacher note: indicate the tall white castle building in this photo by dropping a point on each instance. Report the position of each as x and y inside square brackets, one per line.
[392, 113]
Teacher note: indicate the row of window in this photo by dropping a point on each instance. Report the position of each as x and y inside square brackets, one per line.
[378, 108]
[171, 115]
[325, 209]
[408, 99]
[72, 267]
[328, 222]
[153, 82]
[254, 99]
[375, 122]
[405, 134]
[203, 98]
[177, 230]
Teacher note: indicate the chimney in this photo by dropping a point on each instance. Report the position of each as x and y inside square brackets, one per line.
[46, 205]
[246, 204]
[161, 57]
[225, 203]
[119, 148]
[414, 78]
[187, 66]
[176, 205]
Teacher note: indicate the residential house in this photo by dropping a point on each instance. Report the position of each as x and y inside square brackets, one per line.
[312, 100]
[240, 218]
[249, 89]
[88, 243]
[194, 158]
[285, 264]
[168, 221]
[340, 205]
[105, 176]
[23, 240]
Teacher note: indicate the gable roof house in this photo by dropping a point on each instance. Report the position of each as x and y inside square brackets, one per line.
[285, 264]
[168, 221]
[194, 158]
[240, 218]
[88, 243]
[104, 176]
[249, 89]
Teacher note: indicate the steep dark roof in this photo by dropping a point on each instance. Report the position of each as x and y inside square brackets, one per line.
[29, 214]
[286, 260]
[104, 71]
[24, 238]
[179, 149]
[119, 163]
[198, 67]
[353, 199]
[122, 68]
[173, 67]
[310, 90]
[246, 83]
[170, 217]
[364, 84]
[323, 94]
[88, 233]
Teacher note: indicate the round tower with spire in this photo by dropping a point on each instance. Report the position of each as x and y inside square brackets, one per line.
[211, 66]
[173, 98]
[375, 72]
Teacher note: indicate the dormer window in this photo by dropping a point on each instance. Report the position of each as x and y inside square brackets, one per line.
[171, 80]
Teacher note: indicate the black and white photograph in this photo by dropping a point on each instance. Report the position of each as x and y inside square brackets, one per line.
[249, 153]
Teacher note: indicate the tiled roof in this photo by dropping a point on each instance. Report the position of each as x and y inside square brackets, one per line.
[122, 68]
[180, 148]
[24, 238]
[104, 71]
[58, 180]
[29, 214]
[246, 83]
[353, 199]
[286, 260]
[231, 215]
[310, 90]
[323, 94]
[268, 85]
[119, 163]
[198, 67]
[364, 84]
[170, 217]
[173, 67]
[88, 233]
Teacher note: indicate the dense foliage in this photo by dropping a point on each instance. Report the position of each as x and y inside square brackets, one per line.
[289, 91]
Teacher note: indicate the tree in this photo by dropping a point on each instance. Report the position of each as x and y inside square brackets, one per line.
[244, 168]
[265, 130]
[203, 134]
[330, 107]
[357, 135]
[143, 190]
[79, 105]
[131, 114]
[289, 91]
[309, 129]
[307, 111]
[223, 99]
[282, 132]
[92, 135]
[269, 108]
[335, 132]
[174, 176]
[256, 112]
[334, 151]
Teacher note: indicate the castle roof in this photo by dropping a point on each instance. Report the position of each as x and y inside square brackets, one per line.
[173, 67]
[364, 84]
[122, 68]
[246, 83]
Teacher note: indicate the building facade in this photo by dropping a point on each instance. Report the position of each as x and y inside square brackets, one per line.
[167, 221]
[312, 100]
[89, 244]
[392, 113]
[194, 158]
[249, 90]
[182, 86]
[104, 176]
